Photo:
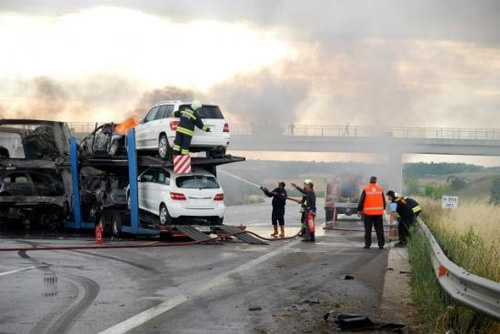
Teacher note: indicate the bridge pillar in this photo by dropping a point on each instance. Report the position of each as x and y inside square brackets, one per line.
[395, 171]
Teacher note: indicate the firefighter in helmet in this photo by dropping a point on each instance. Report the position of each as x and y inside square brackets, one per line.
[189, 118]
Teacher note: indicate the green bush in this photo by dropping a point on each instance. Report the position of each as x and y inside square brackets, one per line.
[435, 191]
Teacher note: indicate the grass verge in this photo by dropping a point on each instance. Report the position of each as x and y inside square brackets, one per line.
[468, 246]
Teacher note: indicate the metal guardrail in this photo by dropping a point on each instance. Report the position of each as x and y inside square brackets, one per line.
[473, 291]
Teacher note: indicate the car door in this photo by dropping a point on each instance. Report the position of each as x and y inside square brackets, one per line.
[159, 191]
[143, 135]
[159, 124]
[143, 185]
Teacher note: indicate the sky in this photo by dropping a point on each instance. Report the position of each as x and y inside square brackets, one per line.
[432, 63]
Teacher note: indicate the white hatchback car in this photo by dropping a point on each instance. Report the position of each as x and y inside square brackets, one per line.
[183, 197]
[156, 132]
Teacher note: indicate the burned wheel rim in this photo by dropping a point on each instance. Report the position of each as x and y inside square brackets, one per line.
[116, 225]
[113, 149]
[163, 147]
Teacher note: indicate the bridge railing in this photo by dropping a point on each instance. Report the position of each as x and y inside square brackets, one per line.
[342, 131]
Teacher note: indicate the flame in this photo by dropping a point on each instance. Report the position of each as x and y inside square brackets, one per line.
[127, 125]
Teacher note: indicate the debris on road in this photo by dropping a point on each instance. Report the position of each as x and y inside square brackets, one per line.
[257, 308]
[360, 323]
[348, 277]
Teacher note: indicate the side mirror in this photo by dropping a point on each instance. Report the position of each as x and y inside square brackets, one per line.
[141, 120]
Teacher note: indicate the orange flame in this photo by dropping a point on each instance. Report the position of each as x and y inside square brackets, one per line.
[127, 125]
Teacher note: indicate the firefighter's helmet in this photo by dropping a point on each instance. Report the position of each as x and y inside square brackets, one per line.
[196, 105]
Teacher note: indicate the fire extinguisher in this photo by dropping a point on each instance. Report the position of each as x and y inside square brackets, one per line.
[98, 234]
[310, 222]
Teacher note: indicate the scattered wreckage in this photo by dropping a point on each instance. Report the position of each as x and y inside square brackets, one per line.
[35, 180]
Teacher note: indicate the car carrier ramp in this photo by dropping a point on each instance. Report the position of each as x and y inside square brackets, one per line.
[193, 233]
[247, 238]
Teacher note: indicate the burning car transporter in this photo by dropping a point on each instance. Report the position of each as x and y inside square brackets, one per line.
[46, 184]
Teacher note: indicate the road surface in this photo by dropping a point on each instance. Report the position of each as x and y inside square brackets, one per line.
[285, 287]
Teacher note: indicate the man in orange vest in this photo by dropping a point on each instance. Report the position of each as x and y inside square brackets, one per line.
[372, 205]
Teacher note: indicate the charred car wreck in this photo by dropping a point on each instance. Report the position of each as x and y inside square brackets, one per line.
[105, 140]
[103, 195]
[35, 177]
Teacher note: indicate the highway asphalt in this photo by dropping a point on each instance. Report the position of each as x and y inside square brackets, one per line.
[284, 287]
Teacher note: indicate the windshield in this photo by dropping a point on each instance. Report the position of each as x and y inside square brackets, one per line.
[197, 182]
[207, 111]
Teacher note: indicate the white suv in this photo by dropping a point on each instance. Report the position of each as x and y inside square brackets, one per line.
[156, 131]
[183, 197]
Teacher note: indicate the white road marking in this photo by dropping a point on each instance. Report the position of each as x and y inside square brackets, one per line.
[17, 271]
[166, 306]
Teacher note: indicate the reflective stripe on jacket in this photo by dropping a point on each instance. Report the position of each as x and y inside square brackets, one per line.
[374, 200]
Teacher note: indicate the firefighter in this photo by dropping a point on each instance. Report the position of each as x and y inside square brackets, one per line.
[308, 206]
[279, 201]
[371, 205]
[414, 206]
[406, 216]
[189, 118]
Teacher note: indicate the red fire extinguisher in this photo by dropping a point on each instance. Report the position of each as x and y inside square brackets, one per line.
[98, 234]
[310, 222]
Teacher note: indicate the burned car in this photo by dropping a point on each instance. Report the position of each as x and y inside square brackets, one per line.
[33, 139]
[103, 196]
[32, 198]
[105, 140]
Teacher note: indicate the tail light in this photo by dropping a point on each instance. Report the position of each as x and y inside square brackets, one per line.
[219, 197]
[226, 128]
[177, 196]
[173, 125]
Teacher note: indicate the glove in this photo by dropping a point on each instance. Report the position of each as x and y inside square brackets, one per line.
[208, 130]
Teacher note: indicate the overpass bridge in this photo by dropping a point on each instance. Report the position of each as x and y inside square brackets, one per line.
[392, 142]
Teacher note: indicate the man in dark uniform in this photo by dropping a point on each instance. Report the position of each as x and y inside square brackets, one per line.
[279, 201]
[308, 205]
[406, 216]
[189, 118]
[414, 206]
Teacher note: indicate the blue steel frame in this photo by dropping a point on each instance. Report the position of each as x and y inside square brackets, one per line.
[135, 224]
[77, 209]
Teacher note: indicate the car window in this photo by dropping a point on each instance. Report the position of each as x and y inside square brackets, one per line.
[207, 111]
[164, 177]
[170, 109]
[150, 176]
[162, 112]
[197, 182]
[151, 115]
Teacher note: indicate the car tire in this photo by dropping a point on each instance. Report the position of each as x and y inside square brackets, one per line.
[113, 149]
[165, 218]
[116, 225]
[164, 150]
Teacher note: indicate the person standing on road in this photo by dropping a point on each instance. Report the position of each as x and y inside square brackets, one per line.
[308, 206]
[189, 118]
[371, 205]
[279, 201]
[406, 217]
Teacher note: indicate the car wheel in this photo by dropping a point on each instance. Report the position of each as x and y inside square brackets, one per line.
[165, 218]
[113, 149]
[94, 213]
[116, 225]
[163, 148]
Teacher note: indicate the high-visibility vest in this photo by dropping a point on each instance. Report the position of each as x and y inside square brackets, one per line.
[374, 200]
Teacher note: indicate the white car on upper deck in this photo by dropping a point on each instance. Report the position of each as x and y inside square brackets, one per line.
[157, 130]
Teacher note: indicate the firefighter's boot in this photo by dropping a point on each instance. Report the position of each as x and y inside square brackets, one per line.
[275, 232]
[282, 231]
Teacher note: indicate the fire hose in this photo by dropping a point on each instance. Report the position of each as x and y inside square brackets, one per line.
[159, 245]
